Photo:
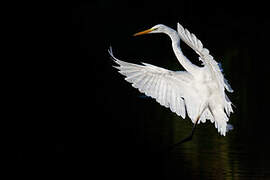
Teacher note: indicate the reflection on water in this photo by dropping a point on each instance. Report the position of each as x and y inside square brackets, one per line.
[210, 155]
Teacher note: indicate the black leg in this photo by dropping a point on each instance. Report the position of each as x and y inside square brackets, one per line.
[188, 138]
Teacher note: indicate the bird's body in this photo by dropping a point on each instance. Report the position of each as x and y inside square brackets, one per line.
[198, 91]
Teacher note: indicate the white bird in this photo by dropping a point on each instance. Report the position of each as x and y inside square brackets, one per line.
[199, 91]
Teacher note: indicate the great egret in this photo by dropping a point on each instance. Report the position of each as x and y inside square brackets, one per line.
[199, 91]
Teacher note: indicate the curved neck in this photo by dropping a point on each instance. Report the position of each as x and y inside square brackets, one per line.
[178, 52]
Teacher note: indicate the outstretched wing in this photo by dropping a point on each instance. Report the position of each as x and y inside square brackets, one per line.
[214, 69]
[169, 88]
[192, 41]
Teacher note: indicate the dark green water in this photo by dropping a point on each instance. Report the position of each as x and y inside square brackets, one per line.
[211, 156]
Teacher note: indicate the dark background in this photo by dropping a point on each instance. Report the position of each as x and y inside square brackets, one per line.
[82, 119]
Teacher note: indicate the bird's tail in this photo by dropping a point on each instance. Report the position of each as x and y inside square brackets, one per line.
[221, 120]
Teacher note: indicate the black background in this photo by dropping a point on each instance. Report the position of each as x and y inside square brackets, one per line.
[74, 108]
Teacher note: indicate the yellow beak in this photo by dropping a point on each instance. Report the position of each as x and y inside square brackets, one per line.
[143, 32]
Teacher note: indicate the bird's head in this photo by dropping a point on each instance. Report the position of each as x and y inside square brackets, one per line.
[159, 28]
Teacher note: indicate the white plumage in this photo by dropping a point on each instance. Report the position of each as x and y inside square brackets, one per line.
[199, 91]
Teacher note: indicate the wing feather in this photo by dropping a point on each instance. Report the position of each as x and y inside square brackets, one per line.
[192, 41]
[160, 96]
[167, 87]
[173, 102]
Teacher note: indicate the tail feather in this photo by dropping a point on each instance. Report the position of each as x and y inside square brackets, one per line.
[221, 120]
